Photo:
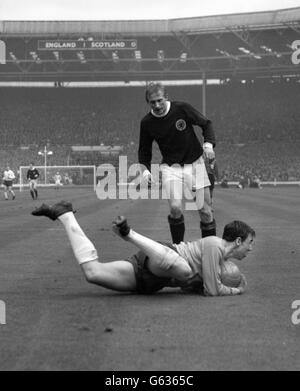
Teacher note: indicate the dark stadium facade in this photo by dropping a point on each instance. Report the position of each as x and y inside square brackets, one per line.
[251, 45]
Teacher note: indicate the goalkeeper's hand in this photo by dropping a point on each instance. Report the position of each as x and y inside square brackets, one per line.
[243, 285]
[148, 177]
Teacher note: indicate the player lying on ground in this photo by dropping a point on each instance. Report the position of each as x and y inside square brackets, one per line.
[193, 266]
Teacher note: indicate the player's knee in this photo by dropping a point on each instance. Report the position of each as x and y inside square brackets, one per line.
[175, 264]
[206, 214]
[175, 211]
[184, 271]
[168, 259]
[180, 269]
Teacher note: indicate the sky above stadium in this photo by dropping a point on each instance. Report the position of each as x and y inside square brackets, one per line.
[131, 9]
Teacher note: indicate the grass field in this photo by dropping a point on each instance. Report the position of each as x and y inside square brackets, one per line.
[55, 320]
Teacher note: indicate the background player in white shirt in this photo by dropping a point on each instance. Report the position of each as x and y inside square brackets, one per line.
[8, 178]
[195, 266]
[57, 180]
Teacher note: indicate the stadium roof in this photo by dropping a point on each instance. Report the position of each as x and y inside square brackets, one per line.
[222, 46]
[204, 24]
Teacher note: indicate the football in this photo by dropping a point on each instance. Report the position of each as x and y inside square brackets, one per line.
[230, 274]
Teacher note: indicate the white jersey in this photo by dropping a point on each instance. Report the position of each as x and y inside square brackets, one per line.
[8, 175]
[205, 257]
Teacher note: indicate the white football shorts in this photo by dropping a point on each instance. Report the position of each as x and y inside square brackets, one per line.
[176, 178]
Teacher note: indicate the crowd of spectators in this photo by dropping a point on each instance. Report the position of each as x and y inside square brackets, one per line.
[257, 125]
[269, 161]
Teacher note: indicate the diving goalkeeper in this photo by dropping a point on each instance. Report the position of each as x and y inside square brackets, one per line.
[193, 266]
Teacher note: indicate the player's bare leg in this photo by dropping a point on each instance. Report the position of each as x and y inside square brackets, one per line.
[163, 261]
[12, 193]
[35, 191]
[117, 275]
[31, 189]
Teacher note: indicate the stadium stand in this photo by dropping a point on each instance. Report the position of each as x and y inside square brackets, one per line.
[256, 123]
[254, 110]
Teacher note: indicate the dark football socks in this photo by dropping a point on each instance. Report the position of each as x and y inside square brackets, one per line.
[208, 229]
[177, 228]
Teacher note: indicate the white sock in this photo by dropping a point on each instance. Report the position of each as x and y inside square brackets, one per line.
[82, 247]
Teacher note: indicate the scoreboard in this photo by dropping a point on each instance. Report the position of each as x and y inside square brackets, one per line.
[123, 44]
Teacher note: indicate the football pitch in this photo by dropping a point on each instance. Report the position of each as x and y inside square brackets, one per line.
[55, 320]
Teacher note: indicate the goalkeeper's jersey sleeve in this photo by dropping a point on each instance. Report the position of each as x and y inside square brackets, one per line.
[205, 257]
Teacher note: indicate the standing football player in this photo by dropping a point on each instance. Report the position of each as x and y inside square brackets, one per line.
[8, 178]
[57, 180]
[32, 177]
[170, 124]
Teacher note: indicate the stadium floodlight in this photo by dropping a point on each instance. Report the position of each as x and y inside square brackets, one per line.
[35, 57]
[81, 57]
[271, 51]
[160, 56]
[138, 55]
[45, 153]
[266, 48]
[246, 51]
[183, 57]
[226, 54]
[13, 57]
[115, 56]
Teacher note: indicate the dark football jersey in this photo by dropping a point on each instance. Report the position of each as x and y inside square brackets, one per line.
[174, 134]
[33, 174]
